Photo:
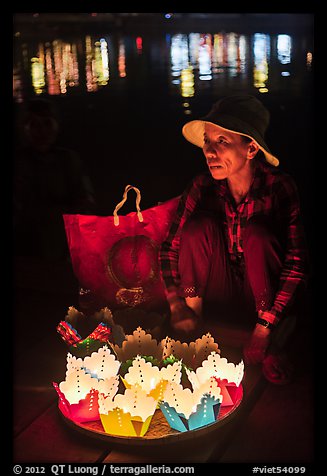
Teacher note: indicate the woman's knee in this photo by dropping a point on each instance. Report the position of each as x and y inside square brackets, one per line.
[199, 223]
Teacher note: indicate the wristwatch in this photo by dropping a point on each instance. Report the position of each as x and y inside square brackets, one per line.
[265, 323]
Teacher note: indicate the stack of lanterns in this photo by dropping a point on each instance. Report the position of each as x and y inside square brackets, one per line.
[123, 385]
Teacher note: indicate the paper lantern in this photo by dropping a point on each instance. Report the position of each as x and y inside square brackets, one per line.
[150, 378]
[128, 414]
[185, 409]
[101, 364]
[227, 374]
[138, 343]
[193, 353]
[78, 394]
[216, 366]
[95, 373]
[229, 391]
[98, 337]
[83, 411]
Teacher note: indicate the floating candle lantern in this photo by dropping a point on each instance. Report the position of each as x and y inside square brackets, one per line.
[227, 374]
[85, 379]
[77, 345]
[78, 394]
[152, 379]
[193, 353]
[128, 414]
[185, 409]
[138, 343]
[101, 364]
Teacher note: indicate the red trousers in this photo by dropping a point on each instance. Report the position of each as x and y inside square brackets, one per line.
[246, 282]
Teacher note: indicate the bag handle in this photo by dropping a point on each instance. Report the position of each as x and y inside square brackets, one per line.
[120, 204]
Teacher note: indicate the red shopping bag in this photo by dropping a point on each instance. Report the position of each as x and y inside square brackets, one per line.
[116, 257]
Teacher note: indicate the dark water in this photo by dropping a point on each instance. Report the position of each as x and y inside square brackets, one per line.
[123, 97]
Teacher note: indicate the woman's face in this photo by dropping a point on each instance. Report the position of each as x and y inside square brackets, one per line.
[226, 152]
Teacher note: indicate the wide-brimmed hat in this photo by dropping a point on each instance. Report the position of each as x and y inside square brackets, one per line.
[242, 114]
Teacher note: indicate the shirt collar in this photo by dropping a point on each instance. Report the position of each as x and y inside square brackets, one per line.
[257, 183]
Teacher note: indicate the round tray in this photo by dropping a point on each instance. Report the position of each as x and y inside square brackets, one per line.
[159, 431]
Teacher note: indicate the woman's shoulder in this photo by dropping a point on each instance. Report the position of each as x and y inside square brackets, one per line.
[277, 175]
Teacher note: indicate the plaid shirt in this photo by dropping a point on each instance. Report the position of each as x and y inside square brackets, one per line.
[273, 194]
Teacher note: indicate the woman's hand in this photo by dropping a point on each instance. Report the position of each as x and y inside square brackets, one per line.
[183, 318]
[255, 350]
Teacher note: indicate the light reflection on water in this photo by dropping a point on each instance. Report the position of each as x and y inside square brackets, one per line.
[196, 60]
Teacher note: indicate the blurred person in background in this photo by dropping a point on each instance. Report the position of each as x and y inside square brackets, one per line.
[48, 181]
